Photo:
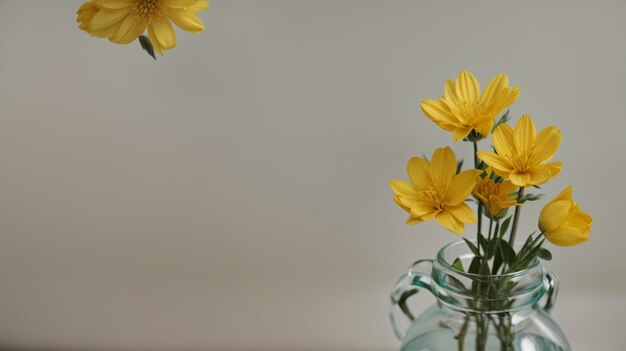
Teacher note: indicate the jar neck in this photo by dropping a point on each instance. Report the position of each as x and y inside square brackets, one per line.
[475, 293]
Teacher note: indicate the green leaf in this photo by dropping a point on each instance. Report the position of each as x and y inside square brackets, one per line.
[527, 246]
[544, 254]
[508, 254]
[455, 282]
[482, 242]
[503, 119]
[497, 262]
[147, 45]
[504, 226]
[530, 197]
[491, 248]
[458, 265]
[474, 266]
[484, 269]
[459, 166]
[472, 247]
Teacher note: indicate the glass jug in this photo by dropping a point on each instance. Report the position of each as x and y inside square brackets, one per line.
[508, 312]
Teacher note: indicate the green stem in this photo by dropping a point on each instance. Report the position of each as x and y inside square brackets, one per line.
[480, 205]
[495, 267]
[518, 208]
[461, 336]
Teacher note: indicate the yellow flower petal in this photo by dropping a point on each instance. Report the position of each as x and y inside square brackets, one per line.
[506, 188]
[449, 92]
[503, 139]
[467, 87]
[582, 216]
[579, 221]
[484, 125]
[105, 18]
[129, 30]
[163, 33]
[438, 112]
[179, 4]
[405, 202]
[423, 210]
[462, 212]
[565, 194]
[504, 99]
[538, 174]
[403, 188]
[157, 47]
[115, 4]
[525, 133]
[547, 142]
[448, 221]
[566, 237]
[500, 165]
[85, 13]
[520, 179]
[554, 168]
[413, 221]
[199, 6]
[554, 214]
[186, 20]
[460, 133]
[419, 172]
[494, 87]
[400, 203]
[462, 186]
[443, 167]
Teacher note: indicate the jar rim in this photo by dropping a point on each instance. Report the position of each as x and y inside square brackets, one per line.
[442, 261]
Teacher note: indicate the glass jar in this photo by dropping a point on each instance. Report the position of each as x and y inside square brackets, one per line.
[476, 312]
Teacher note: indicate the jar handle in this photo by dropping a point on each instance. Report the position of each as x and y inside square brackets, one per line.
[552, 286]
[407, 285]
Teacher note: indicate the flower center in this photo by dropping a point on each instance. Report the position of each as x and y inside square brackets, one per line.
[433, 197]
[469, 113]
[148, 9]
[524, 160]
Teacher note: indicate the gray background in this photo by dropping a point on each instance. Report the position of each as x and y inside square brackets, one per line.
[233, 194]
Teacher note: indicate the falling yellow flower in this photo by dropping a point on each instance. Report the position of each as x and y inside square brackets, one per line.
[122, 21]
[463, 109]
[521, 153]
[436, 191]
[496, 197]
[562, 222]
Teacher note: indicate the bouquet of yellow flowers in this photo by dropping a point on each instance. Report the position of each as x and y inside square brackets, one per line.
[501, 181]
[439, 189]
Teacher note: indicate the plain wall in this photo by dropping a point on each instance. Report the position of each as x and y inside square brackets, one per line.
[234, 193]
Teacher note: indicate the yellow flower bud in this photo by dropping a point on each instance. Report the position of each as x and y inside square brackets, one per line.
[562, 222]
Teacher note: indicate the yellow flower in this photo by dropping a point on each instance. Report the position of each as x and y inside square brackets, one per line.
[494, 196]
[463, 109]
[563, 223]
[122, 21]
[522, 153]
[436, 191]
